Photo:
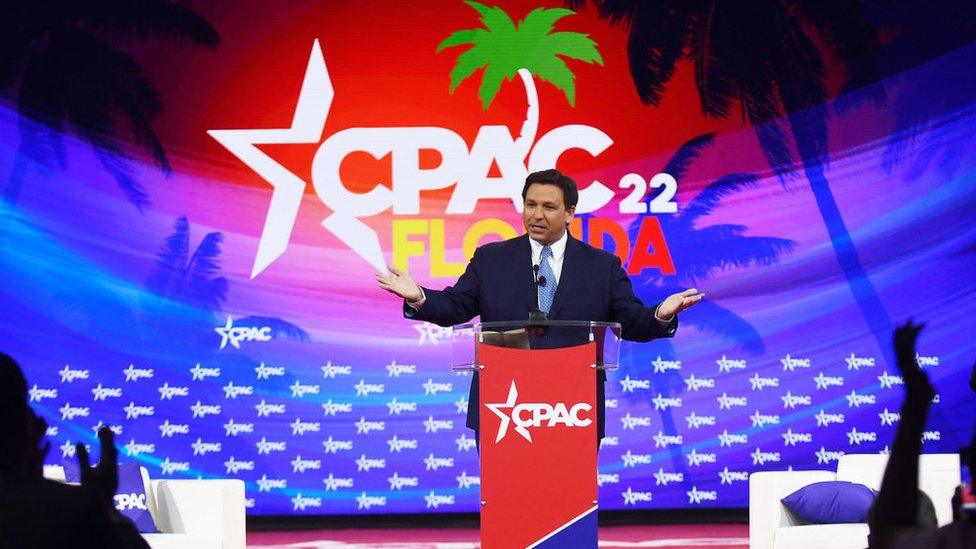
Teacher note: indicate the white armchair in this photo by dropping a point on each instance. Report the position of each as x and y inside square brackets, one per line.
[190, 514]
[772, 526]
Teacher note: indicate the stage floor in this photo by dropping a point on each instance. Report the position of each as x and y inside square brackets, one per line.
[725, 536]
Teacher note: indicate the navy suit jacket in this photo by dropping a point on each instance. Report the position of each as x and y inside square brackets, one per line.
[498, 285]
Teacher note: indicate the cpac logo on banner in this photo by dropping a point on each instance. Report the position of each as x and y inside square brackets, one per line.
[464, 443]
[536, 414]
[466, 170]
[167, 429]
[790, 364]
[663, 478]
[431, 333]
[728, 364]
[299, 465]
[399, 483]
[628, 385]
[396, 408]
[465, 481]
[661, 365]
[695, 459]
[134, 448]
[167, 393]
[229, 334]
[265, 372]
[694, 384]
[631, 459]
[132, 373]
[695, 421]
[69, 412]
[299, 427]
[432, 425]
[398, 445]
[169, 467]
[234, 391]
[333, 483]
[233, 466]
[37, 394]
[633, 498]
[301, 503]
[200, 373]
[434, 501]
[696, 496]
[199, 410]
[68, 375]
[330, 371]
[607, 478]
[856, 362]
[266, 484]
[365, 502]
[397, 370]
[126, 502]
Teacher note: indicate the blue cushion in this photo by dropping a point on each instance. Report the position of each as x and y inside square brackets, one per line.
[130, 498]
[831, 502]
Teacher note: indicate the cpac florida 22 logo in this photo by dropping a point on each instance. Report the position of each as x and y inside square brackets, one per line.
[532, 51]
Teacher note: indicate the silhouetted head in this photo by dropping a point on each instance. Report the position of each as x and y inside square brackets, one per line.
[13, 414]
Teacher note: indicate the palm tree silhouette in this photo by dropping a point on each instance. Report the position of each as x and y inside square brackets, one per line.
[763, 57]
[62, 66]
[505, 49]
[937, 33]
[193, 291]
[704, 252]
[708, 250]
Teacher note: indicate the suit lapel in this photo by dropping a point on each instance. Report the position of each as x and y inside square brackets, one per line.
[569, 277]
[523, 253]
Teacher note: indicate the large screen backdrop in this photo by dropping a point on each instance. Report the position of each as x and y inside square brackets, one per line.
[191, 228]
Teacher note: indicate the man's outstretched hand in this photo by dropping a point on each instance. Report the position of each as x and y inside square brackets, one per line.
[675, 303]
[399, 283]
[916, 381]
[104, 477]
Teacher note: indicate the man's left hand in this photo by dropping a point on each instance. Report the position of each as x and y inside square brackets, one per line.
[675, 303]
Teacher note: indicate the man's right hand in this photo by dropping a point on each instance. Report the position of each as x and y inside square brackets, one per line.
[399, 283]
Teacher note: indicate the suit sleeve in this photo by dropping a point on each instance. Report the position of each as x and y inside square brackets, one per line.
[455, 304]
[638, 322]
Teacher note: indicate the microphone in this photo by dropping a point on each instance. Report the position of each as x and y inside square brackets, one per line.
[537, 315]
[539, 280]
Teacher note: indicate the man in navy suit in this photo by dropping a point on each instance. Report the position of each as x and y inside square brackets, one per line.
[502, 282]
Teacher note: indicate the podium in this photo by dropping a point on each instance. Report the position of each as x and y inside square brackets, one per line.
[538, 417]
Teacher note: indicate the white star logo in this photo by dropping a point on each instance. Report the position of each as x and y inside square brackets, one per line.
[506, 419]
[314, 102]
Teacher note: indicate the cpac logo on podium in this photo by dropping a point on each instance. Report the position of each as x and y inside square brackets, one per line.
[537, 414]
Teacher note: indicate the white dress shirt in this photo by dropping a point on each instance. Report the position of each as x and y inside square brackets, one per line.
[558, 253]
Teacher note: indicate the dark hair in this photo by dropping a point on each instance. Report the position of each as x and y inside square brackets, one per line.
[13, 413]
[554, 177]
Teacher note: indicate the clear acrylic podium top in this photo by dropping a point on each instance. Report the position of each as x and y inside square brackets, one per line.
[535, 334]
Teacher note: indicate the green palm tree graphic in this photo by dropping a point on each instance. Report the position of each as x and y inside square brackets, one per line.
[503, 49]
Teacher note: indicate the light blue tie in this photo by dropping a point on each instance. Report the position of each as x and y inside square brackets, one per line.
[548, 291]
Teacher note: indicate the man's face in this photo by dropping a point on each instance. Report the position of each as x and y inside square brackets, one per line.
[544, 213]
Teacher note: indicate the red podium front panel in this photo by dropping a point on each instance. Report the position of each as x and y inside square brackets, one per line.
[538, 447]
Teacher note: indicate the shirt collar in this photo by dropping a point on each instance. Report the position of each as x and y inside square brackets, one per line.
[558, 248]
